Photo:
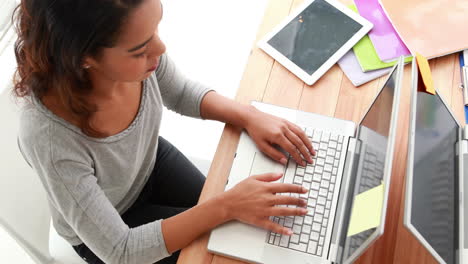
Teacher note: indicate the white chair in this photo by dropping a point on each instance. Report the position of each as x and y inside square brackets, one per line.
[24, 212]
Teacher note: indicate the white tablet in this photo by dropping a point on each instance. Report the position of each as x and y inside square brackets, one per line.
[314, 37]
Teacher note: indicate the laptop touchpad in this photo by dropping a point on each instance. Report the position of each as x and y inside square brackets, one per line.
[263, 164]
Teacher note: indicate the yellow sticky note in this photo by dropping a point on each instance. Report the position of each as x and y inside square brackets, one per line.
[425, 73]
[367, 210]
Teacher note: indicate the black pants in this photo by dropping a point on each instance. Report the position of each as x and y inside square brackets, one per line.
[174, 186]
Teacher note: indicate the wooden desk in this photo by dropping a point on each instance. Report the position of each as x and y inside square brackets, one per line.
[333, 95]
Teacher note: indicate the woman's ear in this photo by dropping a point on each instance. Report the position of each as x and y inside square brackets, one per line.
[89, 62]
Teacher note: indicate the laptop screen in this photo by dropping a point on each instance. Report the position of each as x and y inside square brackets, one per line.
[373, 134]
[434, 175]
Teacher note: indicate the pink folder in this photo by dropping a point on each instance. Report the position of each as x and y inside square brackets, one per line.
[383, 35]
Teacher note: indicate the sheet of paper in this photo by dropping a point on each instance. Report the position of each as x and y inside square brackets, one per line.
[425, 73]
[386, 41]
[433, 28]
[367, 210]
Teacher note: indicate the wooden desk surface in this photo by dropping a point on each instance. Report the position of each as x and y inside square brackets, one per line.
[333, 95]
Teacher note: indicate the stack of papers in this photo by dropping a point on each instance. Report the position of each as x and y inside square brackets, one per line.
[383, 35]
[351, 68]
[368, 58]
[365, 62]
[401, 28]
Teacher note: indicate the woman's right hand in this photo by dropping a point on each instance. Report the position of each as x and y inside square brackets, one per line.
[254, 200]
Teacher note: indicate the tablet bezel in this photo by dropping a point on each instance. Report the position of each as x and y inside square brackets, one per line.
[291, 66]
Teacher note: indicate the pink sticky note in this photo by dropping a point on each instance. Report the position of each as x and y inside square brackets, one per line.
[383, 35]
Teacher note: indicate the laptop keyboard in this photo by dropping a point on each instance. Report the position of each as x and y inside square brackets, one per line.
[372, 175]
[359, 239]
[373, 167]
[320, 179]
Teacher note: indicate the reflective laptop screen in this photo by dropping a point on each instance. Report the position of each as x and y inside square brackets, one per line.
[433, 187]
[373, 133]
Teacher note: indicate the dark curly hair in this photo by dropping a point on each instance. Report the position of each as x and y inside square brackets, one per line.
[54, 37]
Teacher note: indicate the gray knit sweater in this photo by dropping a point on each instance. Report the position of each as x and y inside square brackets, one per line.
[91, 182]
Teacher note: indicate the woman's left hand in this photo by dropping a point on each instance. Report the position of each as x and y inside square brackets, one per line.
[267, 131]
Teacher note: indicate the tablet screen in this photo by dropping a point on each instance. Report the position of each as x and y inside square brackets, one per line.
[313, 36]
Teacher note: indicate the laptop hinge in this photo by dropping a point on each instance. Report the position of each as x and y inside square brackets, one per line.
[347, 183]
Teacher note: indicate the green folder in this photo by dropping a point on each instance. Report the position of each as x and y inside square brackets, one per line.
[366, 54]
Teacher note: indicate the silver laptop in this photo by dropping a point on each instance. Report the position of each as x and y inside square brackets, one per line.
[351, 159]
[436, 180]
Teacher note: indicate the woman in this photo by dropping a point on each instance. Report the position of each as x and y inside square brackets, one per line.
[96, 75]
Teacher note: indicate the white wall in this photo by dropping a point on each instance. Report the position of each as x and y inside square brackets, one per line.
[210, 40]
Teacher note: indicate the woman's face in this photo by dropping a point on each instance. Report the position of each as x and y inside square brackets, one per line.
[136, 53]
